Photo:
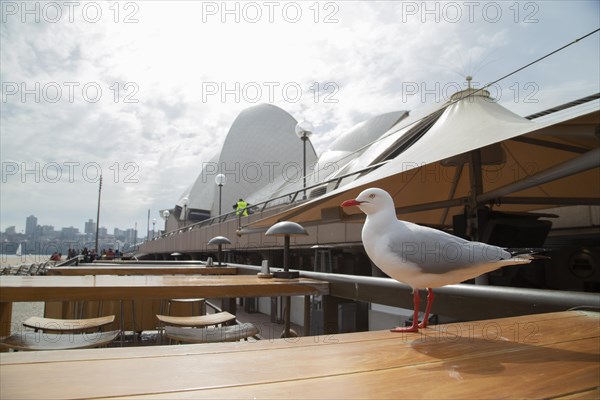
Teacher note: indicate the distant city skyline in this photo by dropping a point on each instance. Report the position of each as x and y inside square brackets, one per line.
[47, 239]
[31, 224]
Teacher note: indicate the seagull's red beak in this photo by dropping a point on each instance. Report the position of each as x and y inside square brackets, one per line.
[350, 203]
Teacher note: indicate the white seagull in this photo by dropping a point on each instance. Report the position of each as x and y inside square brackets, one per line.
[422, 257]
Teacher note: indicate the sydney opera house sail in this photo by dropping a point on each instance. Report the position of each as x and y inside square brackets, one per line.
[260, 155]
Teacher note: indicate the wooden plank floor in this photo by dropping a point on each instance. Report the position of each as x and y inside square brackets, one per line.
[536, 356]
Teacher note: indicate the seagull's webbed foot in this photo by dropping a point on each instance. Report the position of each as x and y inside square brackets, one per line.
[414, 328]
[415, 322]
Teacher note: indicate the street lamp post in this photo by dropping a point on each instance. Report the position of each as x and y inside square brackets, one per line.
[303, 130]
[165, 215]
[148, 230]
[98, 215]
[286, 229]
[184, 202]
[219, 241]
[220, 180]
[153, 224]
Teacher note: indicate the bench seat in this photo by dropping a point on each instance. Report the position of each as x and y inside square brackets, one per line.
[231, 333]
[67, 325]
[198, 320]
[36, 341]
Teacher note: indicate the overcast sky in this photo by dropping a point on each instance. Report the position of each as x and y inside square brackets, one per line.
[145, 91]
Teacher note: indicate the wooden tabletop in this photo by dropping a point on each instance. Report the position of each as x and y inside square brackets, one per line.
[536, 356]
[134, 287]
[108, 269]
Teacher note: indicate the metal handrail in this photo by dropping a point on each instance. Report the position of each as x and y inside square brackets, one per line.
[462, 301]
[71, 261]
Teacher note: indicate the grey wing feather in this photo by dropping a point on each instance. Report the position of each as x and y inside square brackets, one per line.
[436, 252]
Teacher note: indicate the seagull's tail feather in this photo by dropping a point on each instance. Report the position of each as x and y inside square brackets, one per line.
[528, 253]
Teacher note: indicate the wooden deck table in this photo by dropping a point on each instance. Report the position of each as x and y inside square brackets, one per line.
[141, 270]
[553, 355]
[136, 287]
[145, 310]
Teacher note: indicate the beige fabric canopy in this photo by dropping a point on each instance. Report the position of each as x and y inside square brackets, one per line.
[478, 153]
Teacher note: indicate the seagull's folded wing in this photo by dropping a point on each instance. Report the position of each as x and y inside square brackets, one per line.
[437, 252]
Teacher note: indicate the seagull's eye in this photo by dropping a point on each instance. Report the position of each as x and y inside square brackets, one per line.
[372, 196]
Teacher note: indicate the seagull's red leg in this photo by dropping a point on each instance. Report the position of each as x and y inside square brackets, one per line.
[415, 323]
[430, 298]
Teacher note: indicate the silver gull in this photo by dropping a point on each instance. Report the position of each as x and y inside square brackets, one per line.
[422, 257]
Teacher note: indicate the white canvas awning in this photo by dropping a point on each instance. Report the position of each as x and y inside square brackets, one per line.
[477, 153]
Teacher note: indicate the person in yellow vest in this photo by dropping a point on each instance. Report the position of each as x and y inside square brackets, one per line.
[242, 208]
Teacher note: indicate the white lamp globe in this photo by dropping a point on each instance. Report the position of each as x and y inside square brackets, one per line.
[220, 179]
[304, 129]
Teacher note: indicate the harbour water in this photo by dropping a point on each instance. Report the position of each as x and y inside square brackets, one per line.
[12, 260]
[21, 310]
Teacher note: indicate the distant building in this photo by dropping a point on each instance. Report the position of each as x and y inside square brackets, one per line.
[119, 234]
[47, 231]
[11, 230]
[130, 236]
[102, 232]
[69, 233]
[90, 227]
[30, 225]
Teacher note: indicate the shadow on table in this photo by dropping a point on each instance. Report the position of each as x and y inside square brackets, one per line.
[485, 357]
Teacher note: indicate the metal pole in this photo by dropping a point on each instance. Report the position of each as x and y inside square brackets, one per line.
[475, 175]
[304, 137]
[287, 301]
[476, 179]
[286, 253]
[220, 189]
[98, 214]
[307, 315]
[573, 166]
[148, 231]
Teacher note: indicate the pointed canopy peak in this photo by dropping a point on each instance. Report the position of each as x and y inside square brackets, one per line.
[469, 91]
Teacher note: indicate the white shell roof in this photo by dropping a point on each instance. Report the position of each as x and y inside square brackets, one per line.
[200, 194]
[261, 146]
[343, 151]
